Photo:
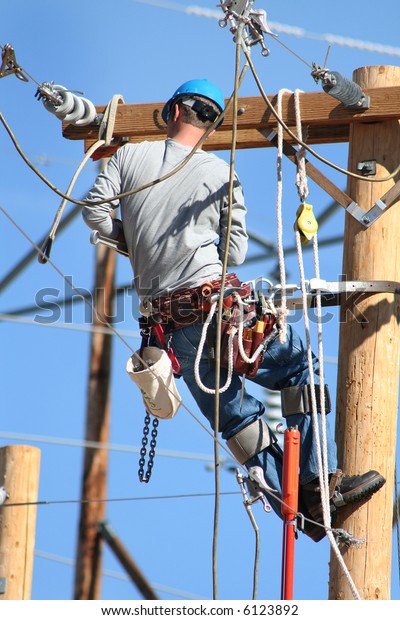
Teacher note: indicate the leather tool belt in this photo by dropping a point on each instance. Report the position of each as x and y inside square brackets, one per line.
[190, 306]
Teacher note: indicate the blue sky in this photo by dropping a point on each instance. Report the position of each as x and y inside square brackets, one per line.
[144, 51]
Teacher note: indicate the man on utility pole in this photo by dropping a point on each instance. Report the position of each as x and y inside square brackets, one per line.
[175, 216]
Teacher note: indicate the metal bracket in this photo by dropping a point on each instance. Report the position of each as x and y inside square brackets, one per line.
[366, 218]
[367, 168]
[9, 64]
[369, 217]
[334, 290]
[240, 12]
[357, 286]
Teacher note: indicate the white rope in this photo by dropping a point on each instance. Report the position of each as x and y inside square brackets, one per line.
[282, 271]
[200, 353]
[322, 451]
[301, 172]
[252, 359]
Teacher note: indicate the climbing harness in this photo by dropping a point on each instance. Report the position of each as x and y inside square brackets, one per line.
[247, 328]
[248, 324]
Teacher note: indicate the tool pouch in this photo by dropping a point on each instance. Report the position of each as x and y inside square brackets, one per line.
[156, 382]
[254, 333]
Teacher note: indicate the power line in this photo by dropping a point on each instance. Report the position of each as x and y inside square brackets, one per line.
[115, 575]
[78, 443]
[295, 31]
[72, 326]
[112, 500]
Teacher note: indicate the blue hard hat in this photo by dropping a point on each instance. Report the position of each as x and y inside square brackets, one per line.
[203, 88]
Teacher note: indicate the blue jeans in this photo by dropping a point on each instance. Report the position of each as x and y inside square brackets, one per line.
[284, 365]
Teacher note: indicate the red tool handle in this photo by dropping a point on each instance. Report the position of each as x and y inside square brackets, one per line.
[290, 498]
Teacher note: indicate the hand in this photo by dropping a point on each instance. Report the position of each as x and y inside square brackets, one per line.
[120, 237]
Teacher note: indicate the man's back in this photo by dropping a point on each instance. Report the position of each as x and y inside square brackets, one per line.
[172, 229]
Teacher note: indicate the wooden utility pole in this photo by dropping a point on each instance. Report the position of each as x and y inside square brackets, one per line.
[94, 482]
[122, 554]
[19, 475]
[368, 375]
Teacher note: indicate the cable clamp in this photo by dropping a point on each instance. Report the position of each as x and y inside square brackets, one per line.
[240, 12]
[9, 64]
[251, 493]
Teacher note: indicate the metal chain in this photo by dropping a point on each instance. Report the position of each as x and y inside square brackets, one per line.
[142, 461]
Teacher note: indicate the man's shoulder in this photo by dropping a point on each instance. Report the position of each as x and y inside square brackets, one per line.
[132, 149]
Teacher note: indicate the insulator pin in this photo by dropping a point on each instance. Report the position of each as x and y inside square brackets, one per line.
[346, 91]
[339, 87]
[66, 105]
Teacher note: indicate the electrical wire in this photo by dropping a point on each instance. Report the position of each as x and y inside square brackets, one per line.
[52, 557]
[111, 447]
[295, 31]
[303, 144]
[111, 500]
[7, 504]
[239, 76]
[68, 198]
[93, 329]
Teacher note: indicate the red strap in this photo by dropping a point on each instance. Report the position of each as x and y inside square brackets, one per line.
[106, 151]
[159, 332]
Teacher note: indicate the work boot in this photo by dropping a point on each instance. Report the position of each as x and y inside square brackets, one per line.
[343, 490]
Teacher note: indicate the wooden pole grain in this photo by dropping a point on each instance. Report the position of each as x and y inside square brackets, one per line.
[19, 475]
[367, 389]
[88, 573]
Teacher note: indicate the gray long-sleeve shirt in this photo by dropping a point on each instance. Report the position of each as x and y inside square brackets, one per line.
[175, 230]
